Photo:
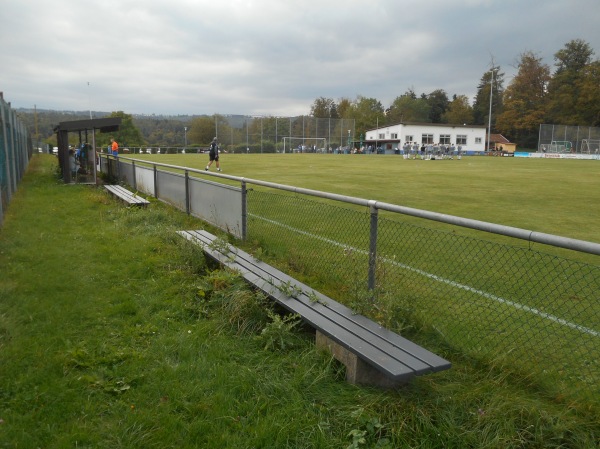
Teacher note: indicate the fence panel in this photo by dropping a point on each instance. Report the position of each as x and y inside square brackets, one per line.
[15, 152]
[217, 204]
[144, 180]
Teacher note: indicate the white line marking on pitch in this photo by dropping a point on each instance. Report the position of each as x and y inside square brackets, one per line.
[498, 299]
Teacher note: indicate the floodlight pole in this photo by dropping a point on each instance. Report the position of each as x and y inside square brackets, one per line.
[490, 114]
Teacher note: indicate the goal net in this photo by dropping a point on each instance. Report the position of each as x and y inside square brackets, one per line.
[304, 145]
[590, 146]
[560, 146]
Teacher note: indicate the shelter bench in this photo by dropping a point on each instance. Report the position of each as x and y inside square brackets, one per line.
[372, 354]
[127, 196]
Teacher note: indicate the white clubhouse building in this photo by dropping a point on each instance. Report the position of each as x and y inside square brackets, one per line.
[472, 138]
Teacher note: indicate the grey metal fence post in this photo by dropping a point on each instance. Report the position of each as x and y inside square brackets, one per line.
[187, 192]
[244, 212]
[155, 181]
[373, 243]
[133, 170]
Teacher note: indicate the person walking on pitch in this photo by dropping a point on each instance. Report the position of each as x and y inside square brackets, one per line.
[213, 155]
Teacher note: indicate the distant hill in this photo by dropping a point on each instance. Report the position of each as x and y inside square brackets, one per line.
[157, 130]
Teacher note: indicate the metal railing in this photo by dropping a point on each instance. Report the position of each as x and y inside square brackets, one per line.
[515, 299]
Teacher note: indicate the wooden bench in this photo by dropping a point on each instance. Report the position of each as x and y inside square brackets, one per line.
[372, 354]
[127, 196]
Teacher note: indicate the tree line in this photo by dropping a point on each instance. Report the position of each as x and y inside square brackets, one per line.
[568, 94]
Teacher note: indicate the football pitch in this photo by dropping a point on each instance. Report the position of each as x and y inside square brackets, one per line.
[560, 197]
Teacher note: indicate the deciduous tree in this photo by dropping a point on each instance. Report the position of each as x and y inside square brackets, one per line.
[324, 108]
[459, 111]
[408, 108]
[525, 101]
[588, 103]
[127, 135]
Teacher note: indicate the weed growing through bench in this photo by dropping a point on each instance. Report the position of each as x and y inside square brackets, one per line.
[222, 246]
[290, 289]
[314, 298]
[223, 294]
[279, 333]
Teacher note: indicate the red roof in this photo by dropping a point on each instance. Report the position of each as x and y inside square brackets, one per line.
[498, 138]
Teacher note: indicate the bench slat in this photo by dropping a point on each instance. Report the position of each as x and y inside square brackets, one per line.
[391, 353]
[383, 338]
[344, 327]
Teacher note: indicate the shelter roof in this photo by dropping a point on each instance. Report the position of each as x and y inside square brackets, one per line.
[498, 138]
[105, 125]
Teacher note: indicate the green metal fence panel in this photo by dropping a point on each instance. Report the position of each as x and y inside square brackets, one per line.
[15, 152]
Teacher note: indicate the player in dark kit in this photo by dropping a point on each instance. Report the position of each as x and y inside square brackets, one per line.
[213, 155]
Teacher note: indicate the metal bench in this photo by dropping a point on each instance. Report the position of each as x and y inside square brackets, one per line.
[371, 353]
[127, 196]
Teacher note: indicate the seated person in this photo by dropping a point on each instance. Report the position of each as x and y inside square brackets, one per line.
[73, 163]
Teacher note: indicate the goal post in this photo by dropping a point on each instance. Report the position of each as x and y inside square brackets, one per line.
[304, 145]
[590, 146]
[560, 146]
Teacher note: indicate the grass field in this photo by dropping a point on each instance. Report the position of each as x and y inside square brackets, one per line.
[560, 197]
[114, 334]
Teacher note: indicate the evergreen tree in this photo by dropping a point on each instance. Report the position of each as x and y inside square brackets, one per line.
[438, 104]
[565, 86]
[491, 79]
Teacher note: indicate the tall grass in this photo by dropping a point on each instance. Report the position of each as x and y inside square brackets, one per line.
[114, 333]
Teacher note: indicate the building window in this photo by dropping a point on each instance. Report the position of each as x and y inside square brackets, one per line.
[426, 138]
[461, 139]
[477, 139]
[445, 139]
[381, 136]
[394, 135]
[409, 139]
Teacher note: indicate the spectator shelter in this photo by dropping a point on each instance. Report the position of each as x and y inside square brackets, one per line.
[85, 153]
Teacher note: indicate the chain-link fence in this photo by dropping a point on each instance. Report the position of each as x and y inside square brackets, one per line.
[514, 299]
[507, 304]
[569, 139]
[284, 134]
[15, 151]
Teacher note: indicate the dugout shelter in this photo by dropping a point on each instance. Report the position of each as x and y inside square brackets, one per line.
[84, 128]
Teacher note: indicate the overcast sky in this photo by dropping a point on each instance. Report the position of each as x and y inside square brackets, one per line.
[268, 57]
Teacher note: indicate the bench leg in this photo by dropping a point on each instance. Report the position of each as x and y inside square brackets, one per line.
[357, 371]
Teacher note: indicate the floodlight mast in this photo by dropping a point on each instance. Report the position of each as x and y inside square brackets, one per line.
[490, 114]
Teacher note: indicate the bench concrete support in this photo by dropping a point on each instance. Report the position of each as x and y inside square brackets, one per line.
[358, 372]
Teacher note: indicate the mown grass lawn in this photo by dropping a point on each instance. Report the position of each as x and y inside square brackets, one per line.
[553, 196]
[116, 334]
